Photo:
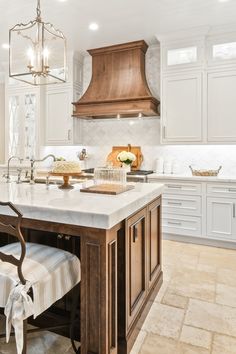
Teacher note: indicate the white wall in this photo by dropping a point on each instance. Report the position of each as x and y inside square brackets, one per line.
[2, 119]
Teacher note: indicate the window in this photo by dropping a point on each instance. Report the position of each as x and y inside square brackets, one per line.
[14, 125]
[182, 56]
[224, 51]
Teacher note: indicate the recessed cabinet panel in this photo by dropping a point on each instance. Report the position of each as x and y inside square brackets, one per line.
[182, 225]
[182, 111]
[221, 218]
[154, 241]
[136, 277]
[221, 106]
[186, 205]
[59, 110]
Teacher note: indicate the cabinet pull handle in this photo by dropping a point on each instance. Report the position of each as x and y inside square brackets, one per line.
[164, 132]
[69, 134]
[234, 210]
[175, 203]
[135, 234]
[232, 190]
[173, 186]
[175, 223]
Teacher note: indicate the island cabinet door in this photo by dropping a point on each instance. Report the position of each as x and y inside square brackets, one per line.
[153, 242]
[136, 264]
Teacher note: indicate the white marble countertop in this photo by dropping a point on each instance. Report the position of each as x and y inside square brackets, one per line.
[75, 208]
[188, 177]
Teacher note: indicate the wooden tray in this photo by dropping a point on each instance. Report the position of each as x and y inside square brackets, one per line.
[112, 189]
[136, 150]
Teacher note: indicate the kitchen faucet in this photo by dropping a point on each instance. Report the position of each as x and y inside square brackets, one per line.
[8, 166]
[32, 162]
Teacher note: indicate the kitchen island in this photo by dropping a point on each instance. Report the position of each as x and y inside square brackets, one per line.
[120, 251]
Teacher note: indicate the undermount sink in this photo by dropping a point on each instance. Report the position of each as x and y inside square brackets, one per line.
[57, 181]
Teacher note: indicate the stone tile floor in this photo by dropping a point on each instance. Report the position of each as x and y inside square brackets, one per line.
[194, 312]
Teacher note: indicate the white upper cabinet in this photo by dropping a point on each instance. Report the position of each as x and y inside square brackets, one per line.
[60, 127]
[221, 107]
[59, 124]
[182, 108]
[198, 73]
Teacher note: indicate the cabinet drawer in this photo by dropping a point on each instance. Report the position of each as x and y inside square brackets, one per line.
[182, 188]
[182, 225]
[222, 189]
[186, 205]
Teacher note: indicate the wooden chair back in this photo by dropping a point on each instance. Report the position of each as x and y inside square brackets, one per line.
[13, 230]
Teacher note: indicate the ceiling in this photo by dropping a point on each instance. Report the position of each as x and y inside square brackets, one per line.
[119, 20]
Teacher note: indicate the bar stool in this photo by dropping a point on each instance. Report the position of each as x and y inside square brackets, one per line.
[32, 278]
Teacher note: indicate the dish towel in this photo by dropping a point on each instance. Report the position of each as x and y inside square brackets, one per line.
[19, 307]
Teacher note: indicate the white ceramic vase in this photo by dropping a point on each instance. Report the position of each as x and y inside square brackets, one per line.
[126, 167]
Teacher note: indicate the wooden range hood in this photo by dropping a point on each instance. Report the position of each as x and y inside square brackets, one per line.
[118, 86]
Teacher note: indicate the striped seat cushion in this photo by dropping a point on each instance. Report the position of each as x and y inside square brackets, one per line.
[52, 273]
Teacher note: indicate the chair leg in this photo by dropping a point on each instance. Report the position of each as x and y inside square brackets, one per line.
[24, 351]
[76, 296]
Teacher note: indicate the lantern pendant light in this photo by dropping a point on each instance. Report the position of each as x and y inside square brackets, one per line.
[37, 52]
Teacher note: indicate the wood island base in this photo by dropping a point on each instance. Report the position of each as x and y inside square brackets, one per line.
[120, 274]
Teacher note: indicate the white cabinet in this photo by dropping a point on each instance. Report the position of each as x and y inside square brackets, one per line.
[60, 127]
[182, 108]
[198, 87]
[204, 211]
[182, 225]
[22, 125]
[186, 205]
[221, 218]
[59, 123]
[221, 107]
[182, 208]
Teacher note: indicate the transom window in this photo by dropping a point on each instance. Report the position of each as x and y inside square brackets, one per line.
[224, 51]
[182, 56]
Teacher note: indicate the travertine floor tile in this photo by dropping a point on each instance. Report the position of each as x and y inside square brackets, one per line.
[226, 295]
[155, 344]
[223, 345]
[212, 317]
[161, 292]
[138, 343]
[219, 260]
[226, 276]
[196, 336]
[207, 268]
[38, 343]
[179, 260]
[193, 283]
[174, 300]
[164, 320]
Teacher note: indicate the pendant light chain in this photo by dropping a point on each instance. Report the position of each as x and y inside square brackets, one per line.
[38, 10]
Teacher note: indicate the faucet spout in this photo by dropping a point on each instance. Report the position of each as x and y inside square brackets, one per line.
[8, 166]
[32, 162]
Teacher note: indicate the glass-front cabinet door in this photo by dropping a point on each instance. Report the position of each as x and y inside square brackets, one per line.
[23, 124]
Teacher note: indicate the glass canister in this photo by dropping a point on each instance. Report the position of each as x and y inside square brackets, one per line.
[104, 175]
